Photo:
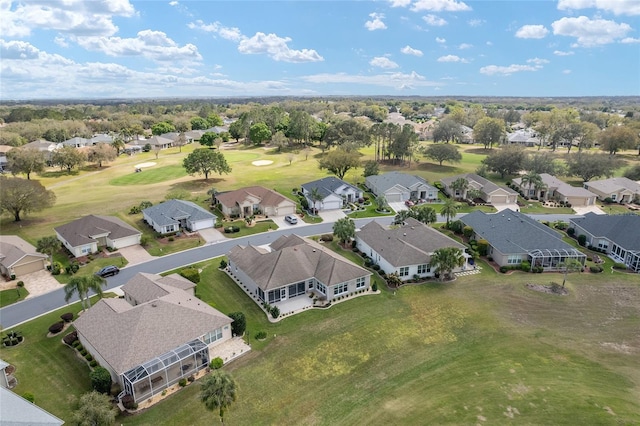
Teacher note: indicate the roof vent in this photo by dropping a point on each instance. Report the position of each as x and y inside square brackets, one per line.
[404, 234]
[154, 305]
[509, 219]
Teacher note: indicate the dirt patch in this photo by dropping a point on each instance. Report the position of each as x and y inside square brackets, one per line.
[552, 288]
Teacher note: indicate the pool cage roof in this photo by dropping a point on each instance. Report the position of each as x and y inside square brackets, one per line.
[571, 253]
[165, 360]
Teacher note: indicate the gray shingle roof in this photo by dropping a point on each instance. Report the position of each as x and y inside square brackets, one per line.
[171, 211]
[327, 186]
[14, 248]
[126, 336]
[615, 184]
[512, 232]
[624, 230]
[18, 411]
[410, 244]
[80, 231]
[292, 260]
[145, 287]
[389, 180]
[563, 188]
[477, 182]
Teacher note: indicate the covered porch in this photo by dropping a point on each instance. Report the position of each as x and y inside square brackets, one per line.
[554, 259]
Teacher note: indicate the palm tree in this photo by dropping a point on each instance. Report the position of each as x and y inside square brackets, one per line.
[460, 185]
[531, 179]
[426, 214]
[48, 245]
[445, 260]
[118, 144]
[218, 392]
[315, 196]
[82, 286]
[449, 209]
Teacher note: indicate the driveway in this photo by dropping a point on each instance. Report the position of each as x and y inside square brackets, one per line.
[211, 235]
[135, 254]
[582, 210]
[510, 206]
[36, 283]
[283, 224]
[398, 206]
[331, 215]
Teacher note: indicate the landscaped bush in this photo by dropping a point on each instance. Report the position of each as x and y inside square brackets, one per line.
[223, 264]
[100, 380]
[489, 258]
[326, 238]
[525, 266]
[191, 274]
[467, 231]
[595, 269]
[191, 378]
[376, 267]
[83, 352]
[619, 265]
[182, 382]
[115, 389]
[261, 335]
[29, 397]
[216, 363]
[75, 343]
[608, 200]
[73, 268]
[88, 357]
[12, 338]
[93, 363]
[275, 311]
[368, 263]
[374, 286]
[571, 232]
[537, 269]
[504, 269]
[56, 327]
[71, 339]
[20, 284]
[128, 402]
[231, 229]
[582, 240]
[170, 239]
[456, 226]
[239, 324]
[483, 248]
[67, 317]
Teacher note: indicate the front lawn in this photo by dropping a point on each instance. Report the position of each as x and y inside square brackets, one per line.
[256, 228]
[89, 268]
[12, 295]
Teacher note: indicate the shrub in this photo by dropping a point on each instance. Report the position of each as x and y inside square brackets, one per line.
[67, 317]
[216, 363]
[75, 343]
[376, 267]
[571, 232]
[489, 258]
[134, 210]
[261, 335]
[275, 311]
[456, 226]
[191, 274]
[619, 265]
[56, 327]
[100, 380]
[467, 231]
[223, 264]
[483, 248]
[128, 402]
[145, 240]
[182, 383]
[608, 200]
[326, 238]
[595, 269]
[191, 378]
[29, 397]
[582, 240]
[71, 339]
[83, 352]
[170, 238]
[88, 357]
[20, 284]
[504, 269]
[93, 363]
[374, 286]
[115, 389]
[73, 268]
[525, 266]
[239, 324]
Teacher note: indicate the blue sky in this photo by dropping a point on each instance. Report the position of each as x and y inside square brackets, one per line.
[126, 49]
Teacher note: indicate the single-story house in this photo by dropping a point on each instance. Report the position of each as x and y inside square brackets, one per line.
[489, 191]
[101, 138]
[555, 189]
[4, 149]
[156, 335]
[617, 235]
[174, 215]
[18, 257]
[252, 200]
[404, 250]
[619, 189]
[399, 187]
[156, 142]
[292, 267]
[466, 135]
[18, 411]
[4, 377]
[514, 238]
[77, 142]
[85, 235]
[44, 146]
[335, 193]
[524, 137]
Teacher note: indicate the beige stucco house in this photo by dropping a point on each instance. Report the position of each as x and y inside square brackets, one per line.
[87, 234]
[18, 257]
[619, 189]
[489, 191]
[253, 200]
[556, 189]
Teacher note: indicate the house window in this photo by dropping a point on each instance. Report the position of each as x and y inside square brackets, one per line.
[404, 271]
[603, 244]
[361, 282]
[614, 197]
[296, 289]
[311, 284]
[340, 289]
[514, 259]
[423, 269]
[321, 287]
[261, 294]
[86, 249]
[212, 336]
[275, 296]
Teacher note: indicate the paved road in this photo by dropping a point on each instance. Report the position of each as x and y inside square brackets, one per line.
[28, 309]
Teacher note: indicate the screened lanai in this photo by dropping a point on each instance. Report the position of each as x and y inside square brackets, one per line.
[554, 259]
[157, 374]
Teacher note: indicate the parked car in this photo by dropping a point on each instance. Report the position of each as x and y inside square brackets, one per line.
[409, 203]
[291, 219]
[108, 271]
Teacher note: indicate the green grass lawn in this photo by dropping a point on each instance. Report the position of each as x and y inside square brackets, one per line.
[256, 228]
[90, 268]
[150, 175]
[12, 295]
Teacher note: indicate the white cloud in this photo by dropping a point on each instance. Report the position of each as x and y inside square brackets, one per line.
[502, 70]
[590, 32]
[276, 48]
[173, 3]
[73, 17]
[408, 50]
[399, 3]
[440, 6]
[630, 40]
[394, 80]
[383, 62]
[441, 40]
[61, 41]
[489, 43]
[154, 45]
[537, 61]
[376, 22]
[465, 46]
[532, 31]
[434, 21]
[563, 53]
[617, 7]
[228, 33]
[566, 71]
[476, 22]
[451, 58]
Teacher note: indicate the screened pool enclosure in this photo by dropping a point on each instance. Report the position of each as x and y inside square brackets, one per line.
[159, 373]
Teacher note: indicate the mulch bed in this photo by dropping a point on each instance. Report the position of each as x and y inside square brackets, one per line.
[549, 289]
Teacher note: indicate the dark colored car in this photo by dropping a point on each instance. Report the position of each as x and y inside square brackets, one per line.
[108, 271]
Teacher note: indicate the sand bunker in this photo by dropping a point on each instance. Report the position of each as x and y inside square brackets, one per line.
[141, 165]
[262, 162]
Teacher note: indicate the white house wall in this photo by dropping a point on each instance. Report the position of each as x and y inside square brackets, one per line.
[387, 267]
[101, 361]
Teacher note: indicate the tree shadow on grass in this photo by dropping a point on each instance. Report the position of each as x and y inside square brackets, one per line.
[59, 173]
[435, 168]
[196, 185]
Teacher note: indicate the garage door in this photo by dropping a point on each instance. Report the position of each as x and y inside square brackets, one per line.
[331, 205]
[577, 201]
[28, 268]
[283, 211]
[393, 197]
[499, 199]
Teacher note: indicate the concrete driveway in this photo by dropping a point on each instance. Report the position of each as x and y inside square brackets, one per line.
[283, 224]
[135, 254]
[211, 235]
[331, 215]
[582, 210]
[36, 283]
[510, 206]
[398, 206]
